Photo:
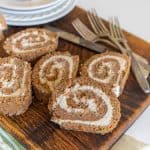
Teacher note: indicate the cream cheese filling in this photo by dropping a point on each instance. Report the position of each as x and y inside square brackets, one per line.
[57, 65]
[61, 101]
[9, 84]
[122, 62]
[27, 41]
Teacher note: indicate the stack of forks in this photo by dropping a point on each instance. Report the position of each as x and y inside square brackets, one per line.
[114, 36]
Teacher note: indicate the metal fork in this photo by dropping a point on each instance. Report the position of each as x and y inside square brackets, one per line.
[101, 29]
[118, 38]
[87, 34]
[84, 32]
[97, 24]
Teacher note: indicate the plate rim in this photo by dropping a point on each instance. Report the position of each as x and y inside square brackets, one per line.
[44, 21]
[8, 11]
[43, 15]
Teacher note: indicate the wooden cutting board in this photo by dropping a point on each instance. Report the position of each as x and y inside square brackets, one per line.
[34, 128]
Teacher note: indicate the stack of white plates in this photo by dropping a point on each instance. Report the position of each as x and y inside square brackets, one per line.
[34, 12]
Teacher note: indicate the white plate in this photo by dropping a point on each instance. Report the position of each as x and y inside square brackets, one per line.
[43, 21]
[38, 16]
[27, 4]
[34, 17]
[34, 11]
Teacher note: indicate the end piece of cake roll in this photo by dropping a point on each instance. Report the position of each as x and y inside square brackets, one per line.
[15, 86]
[109, 68]
[50, 71]
[3, 26]
[31, 43]
[85, 105]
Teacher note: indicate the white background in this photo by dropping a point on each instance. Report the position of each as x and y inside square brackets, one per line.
[134, 16]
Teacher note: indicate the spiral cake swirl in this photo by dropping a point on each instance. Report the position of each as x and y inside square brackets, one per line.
[31, 43]
[15, 86]
[51, 70]
[109, 68]
[85, 106]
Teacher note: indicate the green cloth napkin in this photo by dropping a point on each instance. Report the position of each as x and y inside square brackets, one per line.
[7, 142]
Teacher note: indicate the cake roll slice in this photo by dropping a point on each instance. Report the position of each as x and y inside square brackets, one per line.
[109, 68]
[85, 105]
[50, 71]
[3, 26]
[31, 43]
[15, 86]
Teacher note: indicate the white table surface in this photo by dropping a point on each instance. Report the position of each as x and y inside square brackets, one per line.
[134, 16]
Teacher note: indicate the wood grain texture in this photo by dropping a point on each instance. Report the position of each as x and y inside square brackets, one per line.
[34, 129]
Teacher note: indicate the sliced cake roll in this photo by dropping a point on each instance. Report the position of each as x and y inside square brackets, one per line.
[15, 86]
[3, 26]
[108, 68]
[31, 43]
[85, 105]
[50, 71]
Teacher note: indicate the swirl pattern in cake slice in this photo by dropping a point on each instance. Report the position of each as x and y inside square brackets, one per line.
[15, 86]
[85, 105]
[110, 68]
[31, 43]
[51, 70]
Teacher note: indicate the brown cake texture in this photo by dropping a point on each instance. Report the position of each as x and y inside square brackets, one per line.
[85, 105]
[3, 26]
[50, 71]
[31, 43]
[15, 86]
[109, 68]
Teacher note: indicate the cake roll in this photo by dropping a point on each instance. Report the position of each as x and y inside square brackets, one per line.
[3, 26]
[50, 71]
[31, 43]
[85, 105]
[109, 68]
[15, 86]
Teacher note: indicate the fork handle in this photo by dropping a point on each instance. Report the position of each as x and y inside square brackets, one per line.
[135, 68]
[138, 74]
[140, 59]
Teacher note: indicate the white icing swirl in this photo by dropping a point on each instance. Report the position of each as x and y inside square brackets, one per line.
[61, 101]
[28, 41]
[122, 63]
[60, 66]
[15, 78]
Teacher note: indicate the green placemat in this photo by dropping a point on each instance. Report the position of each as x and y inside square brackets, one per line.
[7, 142]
